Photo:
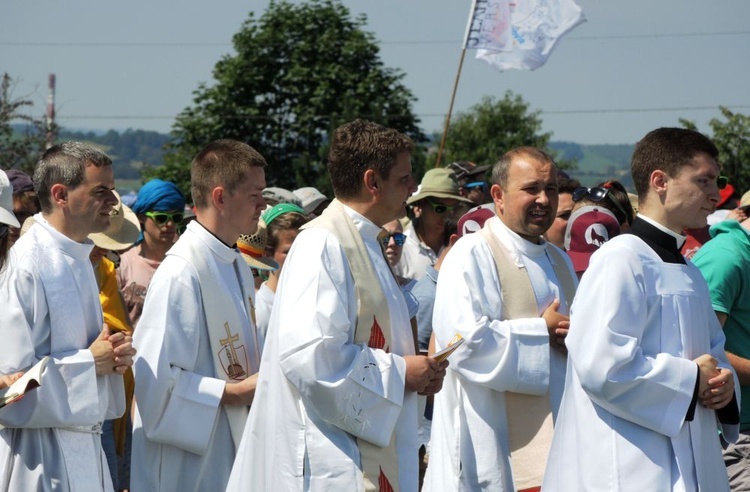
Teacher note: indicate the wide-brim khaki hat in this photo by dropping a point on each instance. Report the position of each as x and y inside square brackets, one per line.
[252, 247]
[123, 229]
[439, 183]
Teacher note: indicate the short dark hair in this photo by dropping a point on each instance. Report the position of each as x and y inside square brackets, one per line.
[361, 145]
[501, 167]
[566, 184]
[65, 164]
[450, 224]
[668, 150]
[221, 163]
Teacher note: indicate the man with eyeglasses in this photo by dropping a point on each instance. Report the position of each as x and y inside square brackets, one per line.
[437, 195]
[160, 207]
[199, 349]
[507, 292]
[649, 393]
[49, 306]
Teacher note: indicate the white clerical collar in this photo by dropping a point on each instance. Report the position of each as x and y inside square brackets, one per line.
[68, 246]
[367, 228]
[678, 237]
[217, 247]
[523, 246]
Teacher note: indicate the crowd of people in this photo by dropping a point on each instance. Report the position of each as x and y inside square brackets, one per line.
[253, 338]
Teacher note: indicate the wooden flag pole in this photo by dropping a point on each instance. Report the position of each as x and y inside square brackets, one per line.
[455, 85]
[450, 107]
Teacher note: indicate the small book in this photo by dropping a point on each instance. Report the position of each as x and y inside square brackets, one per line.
[452, 345]
[30, 380]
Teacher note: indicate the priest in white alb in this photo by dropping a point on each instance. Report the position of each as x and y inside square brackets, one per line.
[506, 291]
[49, 306]
[198, 358]
[336, 407]
[649, 394]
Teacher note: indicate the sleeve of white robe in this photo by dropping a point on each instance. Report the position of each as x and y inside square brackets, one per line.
[356, 388]
[71, 394]
[501, 355]
[608, 326]
[177, 406]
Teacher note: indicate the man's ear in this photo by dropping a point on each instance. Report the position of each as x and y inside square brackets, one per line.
[217, 197]
[452, 240]
[370, 179]
[498, 196]
[59, 194]
[658, 181]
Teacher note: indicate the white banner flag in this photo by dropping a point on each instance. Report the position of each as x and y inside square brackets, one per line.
[519, 34]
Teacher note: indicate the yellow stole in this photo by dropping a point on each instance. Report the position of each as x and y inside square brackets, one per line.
[379, 465]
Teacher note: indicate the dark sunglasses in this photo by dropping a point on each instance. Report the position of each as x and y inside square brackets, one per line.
[398, 238]
[477, 184]
[4, 228]
[440, 208]
[597, 194]
[162, 218]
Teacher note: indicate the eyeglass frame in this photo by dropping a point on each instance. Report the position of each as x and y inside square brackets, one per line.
[582, 192]
[435, 206]
[399, 242]
[169, 216]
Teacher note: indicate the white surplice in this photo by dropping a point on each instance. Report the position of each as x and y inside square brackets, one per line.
[469, 448]
[637, 323]
[181, 436]
[318, 392]
[49, 305]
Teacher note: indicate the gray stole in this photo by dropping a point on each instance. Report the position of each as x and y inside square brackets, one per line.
[530, 425]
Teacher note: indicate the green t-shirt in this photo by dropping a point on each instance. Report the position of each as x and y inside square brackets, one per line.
[724, 262]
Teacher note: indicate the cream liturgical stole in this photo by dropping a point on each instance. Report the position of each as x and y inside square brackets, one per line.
[235, 357]
[379, 465]
[529, 416]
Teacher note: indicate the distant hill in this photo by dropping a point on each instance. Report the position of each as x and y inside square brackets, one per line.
[131, 149]
[597, 163]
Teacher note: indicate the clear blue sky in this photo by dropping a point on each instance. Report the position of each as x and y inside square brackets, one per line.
[633, 66]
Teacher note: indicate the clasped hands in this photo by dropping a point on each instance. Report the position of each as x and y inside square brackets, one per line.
[715, 384]
[113, 353]
[558, 326]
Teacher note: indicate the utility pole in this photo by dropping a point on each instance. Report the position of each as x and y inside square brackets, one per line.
[50, 119]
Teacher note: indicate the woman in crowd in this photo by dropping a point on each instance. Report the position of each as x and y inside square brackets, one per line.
[282, 223]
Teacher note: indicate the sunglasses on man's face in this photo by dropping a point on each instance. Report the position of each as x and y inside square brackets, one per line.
[477, 185]
[440, 208]
[4, 230]
[398, 238]
[162, 218]
[597, 194]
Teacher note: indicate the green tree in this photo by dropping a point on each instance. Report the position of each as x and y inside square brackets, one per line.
[493, 127]
[22, 137]
[299, 72]
[732, 138]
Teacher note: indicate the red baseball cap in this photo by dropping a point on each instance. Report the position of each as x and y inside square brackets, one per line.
[474, 219]
[588, 228]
